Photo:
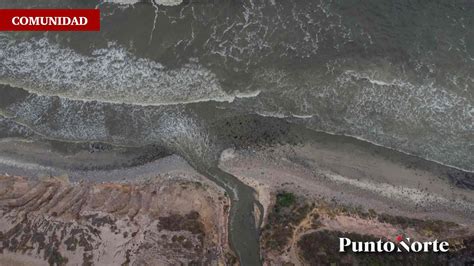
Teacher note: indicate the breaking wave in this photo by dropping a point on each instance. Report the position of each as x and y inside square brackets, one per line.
[111, 75]
[157, 2]
[418, 117]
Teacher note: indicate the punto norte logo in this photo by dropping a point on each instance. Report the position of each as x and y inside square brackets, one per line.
[400, 244]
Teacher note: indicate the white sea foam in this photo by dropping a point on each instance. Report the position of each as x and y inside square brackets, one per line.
[250, 94]
[278, 115]
[406, 101]
[70, 120]
[111, 75]
[158, 2]
[122, 2]
[398, 150]
[168, 2]
[303, 116]
[380, 105]
[227, 154]
[370, 79]
[271, 114]
[281, 115]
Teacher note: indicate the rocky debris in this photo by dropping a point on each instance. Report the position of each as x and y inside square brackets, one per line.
[160, 222]
[462, 179]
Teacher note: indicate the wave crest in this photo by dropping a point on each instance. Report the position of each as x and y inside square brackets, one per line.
[108, 75]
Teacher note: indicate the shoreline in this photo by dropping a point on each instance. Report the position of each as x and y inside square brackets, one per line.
[336, 168]
[355, 177]
[327, 207]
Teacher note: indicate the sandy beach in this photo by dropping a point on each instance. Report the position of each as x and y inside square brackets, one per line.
[354, 176]
[336, 189]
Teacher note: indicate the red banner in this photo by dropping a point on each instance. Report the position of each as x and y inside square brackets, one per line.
[49, 19]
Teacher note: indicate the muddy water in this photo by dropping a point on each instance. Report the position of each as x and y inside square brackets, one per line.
[244, 236]
[203, 76]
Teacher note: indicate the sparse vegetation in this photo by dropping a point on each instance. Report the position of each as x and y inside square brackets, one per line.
[321, 248]
[288, 212]
[285, 199]
[425, 227]
[55, 258]
[189, 222]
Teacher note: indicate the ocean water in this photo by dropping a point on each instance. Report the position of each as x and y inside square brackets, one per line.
[399, 74]
[396, 74]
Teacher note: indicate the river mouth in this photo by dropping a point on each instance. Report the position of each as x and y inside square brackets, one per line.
[99, 162]
[194, 78]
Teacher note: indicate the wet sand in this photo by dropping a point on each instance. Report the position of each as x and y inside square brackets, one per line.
[338, 169]
[82, 161]
[356, 174]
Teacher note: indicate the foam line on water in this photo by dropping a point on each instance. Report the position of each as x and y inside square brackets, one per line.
[158, 2]
[111, 74]
[283, 116]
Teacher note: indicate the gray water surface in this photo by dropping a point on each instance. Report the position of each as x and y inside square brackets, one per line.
[396, 74]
